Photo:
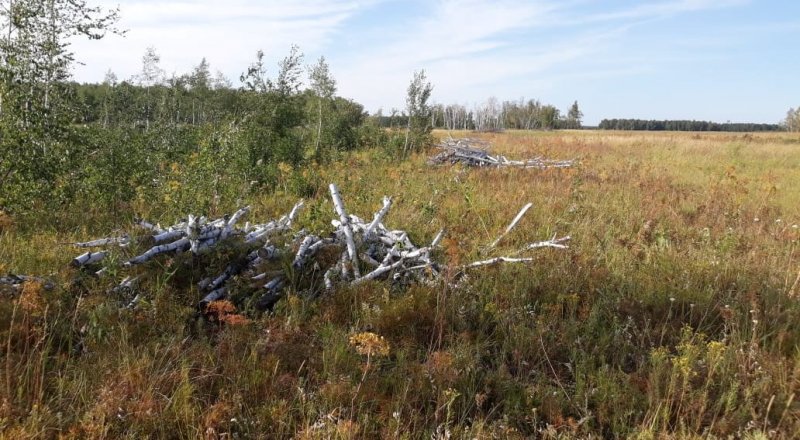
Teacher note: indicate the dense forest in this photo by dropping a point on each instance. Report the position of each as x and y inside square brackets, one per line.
[684, 125]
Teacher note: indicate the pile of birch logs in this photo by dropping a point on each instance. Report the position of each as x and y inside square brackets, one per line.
[474, 153]
[271, 257]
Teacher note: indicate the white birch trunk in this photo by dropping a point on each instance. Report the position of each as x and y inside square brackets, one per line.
[512, 225]
[387, 203]
[348, 232]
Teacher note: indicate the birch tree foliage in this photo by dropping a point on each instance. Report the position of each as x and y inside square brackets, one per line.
[275, 114]
[574, 116]
[792, 121]
[35, 106]
[418, 125]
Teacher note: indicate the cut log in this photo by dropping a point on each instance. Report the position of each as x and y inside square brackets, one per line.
[88, 258]
[179, 245]
[348, 232]
[511, 226]
[121, 241]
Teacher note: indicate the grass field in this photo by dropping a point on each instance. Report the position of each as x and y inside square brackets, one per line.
[673, 314]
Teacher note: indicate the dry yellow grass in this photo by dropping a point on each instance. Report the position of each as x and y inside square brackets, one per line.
[672, 315]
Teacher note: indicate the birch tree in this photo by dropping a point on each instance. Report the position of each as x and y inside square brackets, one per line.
[151, 75]
[792, 121]
[324, 87]
[417, 125]
[36, 109]
[574, 116]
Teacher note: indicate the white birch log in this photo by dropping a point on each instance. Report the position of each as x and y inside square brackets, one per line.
[378, 272]
[437, 239]
[343, 266]
[192, 232]
[16, 281]
[232, 221]
[293, 213]
[497, 260]
[221, 278]
[147, 225]
[275, 284]
[303, 251]
[513, 223]
[121, 241]
[204, 283]
[214, 295]
[369, 260]
[473, 153]
[126, 284]
[134, 301]
[269, 252]
[328, 277]
[169, 235]
[554, 242]
[348, 233]
[88, 258]
[260, 232]
[178, 245]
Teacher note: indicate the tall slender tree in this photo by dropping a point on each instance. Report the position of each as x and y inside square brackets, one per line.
[417, 128]
[574, 116]
[324, 87]
[792, 121]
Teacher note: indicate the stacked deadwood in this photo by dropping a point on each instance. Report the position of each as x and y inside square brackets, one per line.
[355, 252]
[14, 283]
[474, 153]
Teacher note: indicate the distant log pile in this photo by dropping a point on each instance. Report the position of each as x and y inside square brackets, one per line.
[15, 283]
[474, 153]
[268, 259]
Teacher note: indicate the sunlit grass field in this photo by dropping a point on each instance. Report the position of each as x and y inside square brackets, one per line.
[673, 314]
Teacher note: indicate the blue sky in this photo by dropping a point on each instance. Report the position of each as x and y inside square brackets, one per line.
[718, 60]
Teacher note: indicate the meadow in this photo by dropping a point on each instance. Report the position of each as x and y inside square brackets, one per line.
[673, 314]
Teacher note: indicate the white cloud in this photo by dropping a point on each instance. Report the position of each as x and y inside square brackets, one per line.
[459, 43]
[472, 49]
[228, 34]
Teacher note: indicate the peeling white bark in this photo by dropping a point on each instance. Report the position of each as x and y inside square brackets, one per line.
[348, 232]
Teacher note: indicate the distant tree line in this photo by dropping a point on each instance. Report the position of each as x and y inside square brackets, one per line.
[492, 115]
[683, 125]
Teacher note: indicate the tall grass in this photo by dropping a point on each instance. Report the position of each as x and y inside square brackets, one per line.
[672, 315]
